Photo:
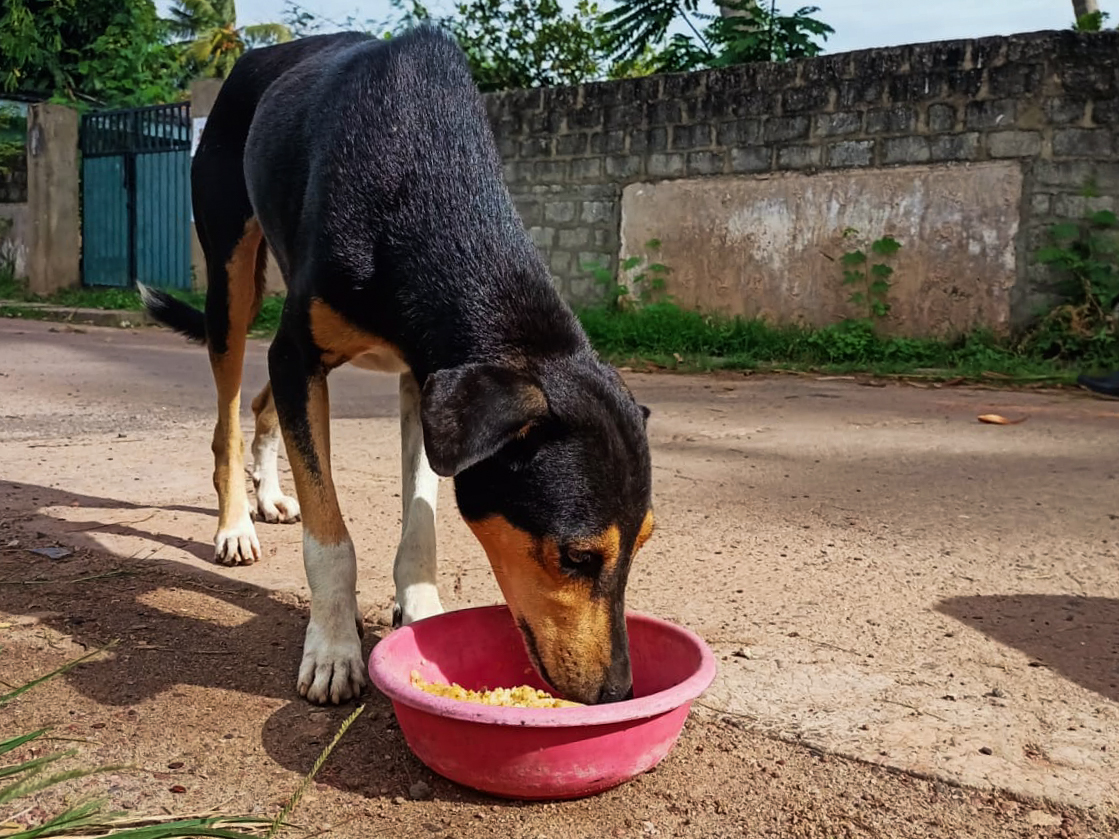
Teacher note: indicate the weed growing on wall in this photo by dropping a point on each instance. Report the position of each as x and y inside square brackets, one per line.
[869, 279]
[641, 281]
[1085, 255]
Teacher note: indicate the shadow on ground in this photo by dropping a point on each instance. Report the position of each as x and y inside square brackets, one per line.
[1077, 637]
[178, 625]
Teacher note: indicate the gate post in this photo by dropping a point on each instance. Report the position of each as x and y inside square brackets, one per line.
[54, 246]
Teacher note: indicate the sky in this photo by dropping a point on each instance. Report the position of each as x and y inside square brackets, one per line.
[858, 24]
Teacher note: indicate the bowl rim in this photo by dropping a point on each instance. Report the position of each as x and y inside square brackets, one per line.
[398, 688]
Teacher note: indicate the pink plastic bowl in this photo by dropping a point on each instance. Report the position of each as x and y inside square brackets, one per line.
[534, 753]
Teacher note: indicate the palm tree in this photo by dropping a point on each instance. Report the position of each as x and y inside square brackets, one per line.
[210, 38]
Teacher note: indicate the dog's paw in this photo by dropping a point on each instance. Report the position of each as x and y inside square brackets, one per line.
[332, 670]
[416, 603]
[279, 508]
[237, 545]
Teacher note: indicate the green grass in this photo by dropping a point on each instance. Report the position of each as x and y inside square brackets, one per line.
[121, 299]
[668, 336]
[665, 335]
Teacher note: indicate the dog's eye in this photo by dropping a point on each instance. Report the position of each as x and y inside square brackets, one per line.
[580, 563]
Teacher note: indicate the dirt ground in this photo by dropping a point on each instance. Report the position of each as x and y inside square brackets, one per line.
[916, 615]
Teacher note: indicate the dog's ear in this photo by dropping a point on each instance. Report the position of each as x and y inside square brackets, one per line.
[645, 413]
[469, 412]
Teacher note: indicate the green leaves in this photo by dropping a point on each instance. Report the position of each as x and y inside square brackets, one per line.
[872, 279]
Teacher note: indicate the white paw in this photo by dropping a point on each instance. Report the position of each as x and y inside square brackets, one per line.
[277, 508]
[332, 669]
[416, 602]
[237, 545]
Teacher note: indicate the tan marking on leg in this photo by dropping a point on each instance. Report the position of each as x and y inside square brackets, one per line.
[647, 528]
[340, 341]
[236, 542]
[314, 484]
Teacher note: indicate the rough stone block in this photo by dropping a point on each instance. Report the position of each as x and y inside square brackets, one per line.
[542, 237]
[861, 90]
[1040, 205]
[560, 262]
[798, 157]
[954, 147]
[991, 114]
[584, 118]
[596, 212]
[665, 165]
[905, 150]
[752, 159]
[550, 171]
[838, 124]
[624, 116]
[805, 100]
[1014, 143]
[704, 163]
[942, 118]
[742, 132]
[896, 119]
[916, 87]
[851, 153]
[530, 210]
[1070, 206]
[1015, 80]
[587, 169]
[572, 240]
[568, 145]
[1082, 142]
[781, 129]
[559, 211]
[1104, 112]
[691, 136]
[623, 166]
[661, 112]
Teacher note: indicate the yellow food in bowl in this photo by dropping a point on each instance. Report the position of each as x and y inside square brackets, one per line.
[522, 696]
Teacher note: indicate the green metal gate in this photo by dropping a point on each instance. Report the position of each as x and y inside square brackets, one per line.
[136, 197]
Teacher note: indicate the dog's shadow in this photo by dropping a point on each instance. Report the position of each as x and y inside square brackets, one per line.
[180, 625]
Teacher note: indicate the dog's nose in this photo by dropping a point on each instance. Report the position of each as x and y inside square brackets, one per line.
[615, 692]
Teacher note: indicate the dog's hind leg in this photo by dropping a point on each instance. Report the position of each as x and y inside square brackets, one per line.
[271, 503]
[228, 316]
[414, 569]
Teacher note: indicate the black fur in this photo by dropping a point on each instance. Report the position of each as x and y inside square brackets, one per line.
[372, 169]
[175, 314]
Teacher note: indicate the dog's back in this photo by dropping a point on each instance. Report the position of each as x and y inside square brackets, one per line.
[392, 206]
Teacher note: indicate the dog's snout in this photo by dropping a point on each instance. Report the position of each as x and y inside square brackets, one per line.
[615, 691]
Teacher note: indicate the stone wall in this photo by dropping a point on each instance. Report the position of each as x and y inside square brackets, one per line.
[1046, 104]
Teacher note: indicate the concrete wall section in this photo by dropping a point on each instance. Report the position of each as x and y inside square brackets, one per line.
[1045, 105]
[54, 235]
[769, 246]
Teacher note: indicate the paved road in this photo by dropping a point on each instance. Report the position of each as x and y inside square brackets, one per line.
[881, 574]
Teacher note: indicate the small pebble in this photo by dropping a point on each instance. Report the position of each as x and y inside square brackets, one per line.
[986, 750]
[419, 791]
[398, 800]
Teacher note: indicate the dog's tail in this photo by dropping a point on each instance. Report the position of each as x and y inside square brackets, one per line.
[174, 313]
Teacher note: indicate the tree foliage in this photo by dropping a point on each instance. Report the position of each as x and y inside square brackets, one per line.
[524, 43]
[638, 32]
[210, 39]
[112, 52]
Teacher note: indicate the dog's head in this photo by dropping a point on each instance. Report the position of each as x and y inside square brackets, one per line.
[552, 474]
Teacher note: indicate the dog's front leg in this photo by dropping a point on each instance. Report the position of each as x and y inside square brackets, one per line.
[414, 570]
[332, 669]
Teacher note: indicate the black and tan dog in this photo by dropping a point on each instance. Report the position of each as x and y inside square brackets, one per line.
[369, 169]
